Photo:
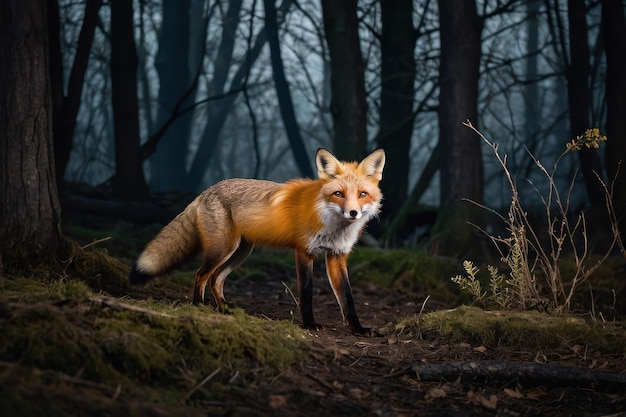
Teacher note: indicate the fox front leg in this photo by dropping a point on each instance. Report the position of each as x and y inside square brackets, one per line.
[338, 277]
[304, 273]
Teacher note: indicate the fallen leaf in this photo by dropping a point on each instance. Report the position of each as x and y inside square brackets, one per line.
[357, 393]
[278, 401]
[409, 381]
[434, 393]
[535, 394]
[481, 349]
[513, 393]
[479, 399]
[490, 402]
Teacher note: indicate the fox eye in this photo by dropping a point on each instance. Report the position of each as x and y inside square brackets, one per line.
[338, 194]
[362, 194]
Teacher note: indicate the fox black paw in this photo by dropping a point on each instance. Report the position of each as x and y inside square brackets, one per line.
[312, 326]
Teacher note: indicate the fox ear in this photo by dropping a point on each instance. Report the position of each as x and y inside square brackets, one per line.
[327, 164]
[372, 165]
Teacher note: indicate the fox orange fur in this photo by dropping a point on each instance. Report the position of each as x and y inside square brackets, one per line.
[312, 217]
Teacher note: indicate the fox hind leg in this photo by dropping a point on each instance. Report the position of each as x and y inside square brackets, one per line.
[202, 277]
[213, 259]
[219, 275]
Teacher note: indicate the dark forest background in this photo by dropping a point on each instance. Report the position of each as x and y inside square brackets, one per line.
[136, 99]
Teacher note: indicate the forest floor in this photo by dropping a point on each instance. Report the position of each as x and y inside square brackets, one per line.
[340, 375]
[350, 375]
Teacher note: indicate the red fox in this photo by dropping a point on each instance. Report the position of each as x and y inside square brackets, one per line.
[312, 217]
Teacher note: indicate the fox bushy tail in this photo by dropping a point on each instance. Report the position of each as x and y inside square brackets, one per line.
[173, 245]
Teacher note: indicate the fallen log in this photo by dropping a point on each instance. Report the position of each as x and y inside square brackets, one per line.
[544, 373]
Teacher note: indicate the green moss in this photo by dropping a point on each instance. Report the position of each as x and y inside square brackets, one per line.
[38, 335]
[31, 290]
[142, 345]
[153, 349]
[527, 329]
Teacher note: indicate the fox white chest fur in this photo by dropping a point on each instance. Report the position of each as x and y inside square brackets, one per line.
[340, 231]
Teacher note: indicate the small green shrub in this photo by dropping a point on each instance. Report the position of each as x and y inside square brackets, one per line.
[534, 262]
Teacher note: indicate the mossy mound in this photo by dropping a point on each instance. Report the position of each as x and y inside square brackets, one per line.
[518, 329]
[155, 351]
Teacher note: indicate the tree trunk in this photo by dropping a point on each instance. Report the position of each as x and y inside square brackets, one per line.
[30, 212]
[65, 106]
[614, 34]
[129, 181]
[461, 164]
[396, 99]
[284, 95]
[392, 231]
[169, 163]
[532, 102]
[224, 58]
[579, 96]
[348, 104]
[219, 109]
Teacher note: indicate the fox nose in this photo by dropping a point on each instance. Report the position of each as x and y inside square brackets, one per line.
[354, 213]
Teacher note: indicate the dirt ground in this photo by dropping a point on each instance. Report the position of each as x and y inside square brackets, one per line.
[349, 375]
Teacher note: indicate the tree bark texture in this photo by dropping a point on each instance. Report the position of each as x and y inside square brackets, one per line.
[348, 105]
[461, 169]
[29, 212]
[614, 35]
[396, 99]
[284, 95]
[129, 181]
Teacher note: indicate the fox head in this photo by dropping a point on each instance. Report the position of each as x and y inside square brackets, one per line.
[350, 189]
